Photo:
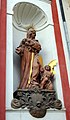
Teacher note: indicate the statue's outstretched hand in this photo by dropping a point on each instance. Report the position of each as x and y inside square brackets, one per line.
[18, 50]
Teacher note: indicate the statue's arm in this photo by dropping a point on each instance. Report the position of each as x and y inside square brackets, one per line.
[19, 50]
[36, 45]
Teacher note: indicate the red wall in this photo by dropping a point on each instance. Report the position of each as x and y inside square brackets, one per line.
[61, 58]
[2, 58]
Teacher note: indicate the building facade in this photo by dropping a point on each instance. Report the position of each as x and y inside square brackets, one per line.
[54, 39]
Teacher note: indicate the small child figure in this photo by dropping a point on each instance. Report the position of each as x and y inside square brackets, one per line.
[46, 78]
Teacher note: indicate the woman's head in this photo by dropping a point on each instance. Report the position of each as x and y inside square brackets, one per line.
[31, 33]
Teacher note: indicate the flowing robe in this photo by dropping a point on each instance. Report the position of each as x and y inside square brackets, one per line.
[25, 50]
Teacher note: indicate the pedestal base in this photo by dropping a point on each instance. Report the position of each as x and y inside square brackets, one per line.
[36, 100]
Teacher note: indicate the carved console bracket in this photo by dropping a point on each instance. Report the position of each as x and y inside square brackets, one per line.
[36, 100]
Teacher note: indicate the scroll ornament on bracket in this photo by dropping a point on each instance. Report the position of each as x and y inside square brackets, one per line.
[36, 90]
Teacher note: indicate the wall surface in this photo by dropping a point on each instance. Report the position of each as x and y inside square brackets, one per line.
[47, 40]
[2, 58]
[57, 51]
[66, 6]
[25, 115]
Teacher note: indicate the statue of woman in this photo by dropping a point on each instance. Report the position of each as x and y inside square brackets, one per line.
[28, 51]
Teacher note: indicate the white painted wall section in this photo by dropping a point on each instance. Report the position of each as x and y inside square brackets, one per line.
[64, 41]
[46, 38]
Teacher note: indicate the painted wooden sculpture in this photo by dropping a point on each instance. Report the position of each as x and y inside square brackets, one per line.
[36, 90]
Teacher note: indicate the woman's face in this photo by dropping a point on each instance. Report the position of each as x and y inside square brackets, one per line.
[31, 33]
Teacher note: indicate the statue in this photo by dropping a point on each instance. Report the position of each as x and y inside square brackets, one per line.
[47, 78]
[40, 76]
[28, 48]
[36, 90]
